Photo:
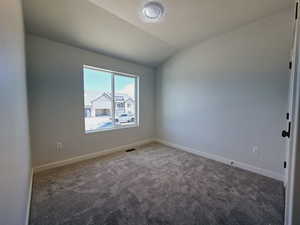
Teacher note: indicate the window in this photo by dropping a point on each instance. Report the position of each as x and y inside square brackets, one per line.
[110, 99]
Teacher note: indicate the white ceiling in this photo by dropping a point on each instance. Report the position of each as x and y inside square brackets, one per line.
[113, 27]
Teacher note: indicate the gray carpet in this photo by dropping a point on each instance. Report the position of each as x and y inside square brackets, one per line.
[155, 185]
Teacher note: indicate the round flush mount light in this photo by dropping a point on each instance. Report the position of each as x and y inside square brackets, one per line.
[152, 11]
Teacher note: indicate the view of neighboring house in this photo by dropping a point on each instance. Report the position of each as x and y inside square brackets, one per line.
[99, 104]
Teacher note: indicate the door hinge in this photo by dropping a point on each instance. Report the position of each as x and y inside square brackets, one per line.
[284, 165]
[288, 116]
[290, 65]
[296, 10]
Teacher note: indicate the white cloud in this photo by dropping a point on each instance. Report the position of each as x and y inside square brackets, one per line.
[129, 90]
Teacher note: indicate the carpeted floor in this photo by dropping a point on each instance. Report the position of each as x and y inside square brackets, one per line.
[155, 185]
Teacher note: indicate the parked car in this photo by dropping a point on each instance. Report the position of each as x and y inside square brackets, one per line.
[125, 118]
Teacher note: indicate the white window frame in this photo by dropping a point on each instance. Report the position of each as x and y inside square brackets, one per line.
[114, 125]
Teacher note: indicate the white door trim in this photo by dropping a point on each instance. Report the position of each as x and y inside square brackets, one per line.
[293, 144]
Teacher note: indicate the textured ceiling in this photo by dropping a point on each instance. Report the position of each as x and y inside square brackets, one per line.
[113, 27]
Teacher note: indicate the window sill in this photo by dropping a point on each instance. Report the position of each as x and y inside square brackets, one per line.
[112, 129]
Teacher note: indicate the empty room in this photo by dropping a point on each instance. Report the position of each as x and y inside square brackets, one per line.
[149, 112]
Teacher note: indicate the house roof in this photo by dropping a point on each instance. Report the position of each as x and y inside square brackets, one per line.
[91, 96]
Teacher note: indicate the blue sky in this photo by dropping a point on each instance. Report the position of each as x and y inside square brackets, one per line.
[95, 80]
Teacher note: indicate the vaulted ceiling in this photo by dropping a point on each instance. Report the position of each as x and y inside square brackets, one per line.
[114, 27]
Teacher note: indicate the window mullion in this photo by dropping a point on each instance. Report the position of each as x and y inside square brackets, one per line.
[136, 100]
[113, 99]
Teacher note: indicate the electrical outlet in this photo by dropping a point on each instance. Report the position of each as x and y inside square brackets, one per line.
[59, 146]
[256, 152]
[255, 149]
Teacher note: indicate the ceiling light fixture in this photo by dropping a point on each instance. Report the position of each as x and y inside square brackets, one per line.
[152, 11]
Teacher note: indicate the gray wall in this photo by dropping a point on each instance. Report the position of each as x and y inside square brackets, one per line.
[15, 165]
[55, 82]
[229, 94]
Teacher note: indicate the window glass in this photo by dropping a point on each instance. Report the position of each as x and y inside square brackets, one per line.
[125, 100]
[109, 100]
[97, 99]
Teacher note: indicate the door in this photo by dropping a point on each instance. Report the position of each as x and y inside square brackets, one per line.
[292, 119]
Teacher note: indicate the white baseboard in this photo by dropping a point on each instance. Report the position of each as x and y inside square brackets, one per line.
[224, 160]
[89, 156]
[29, 198]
